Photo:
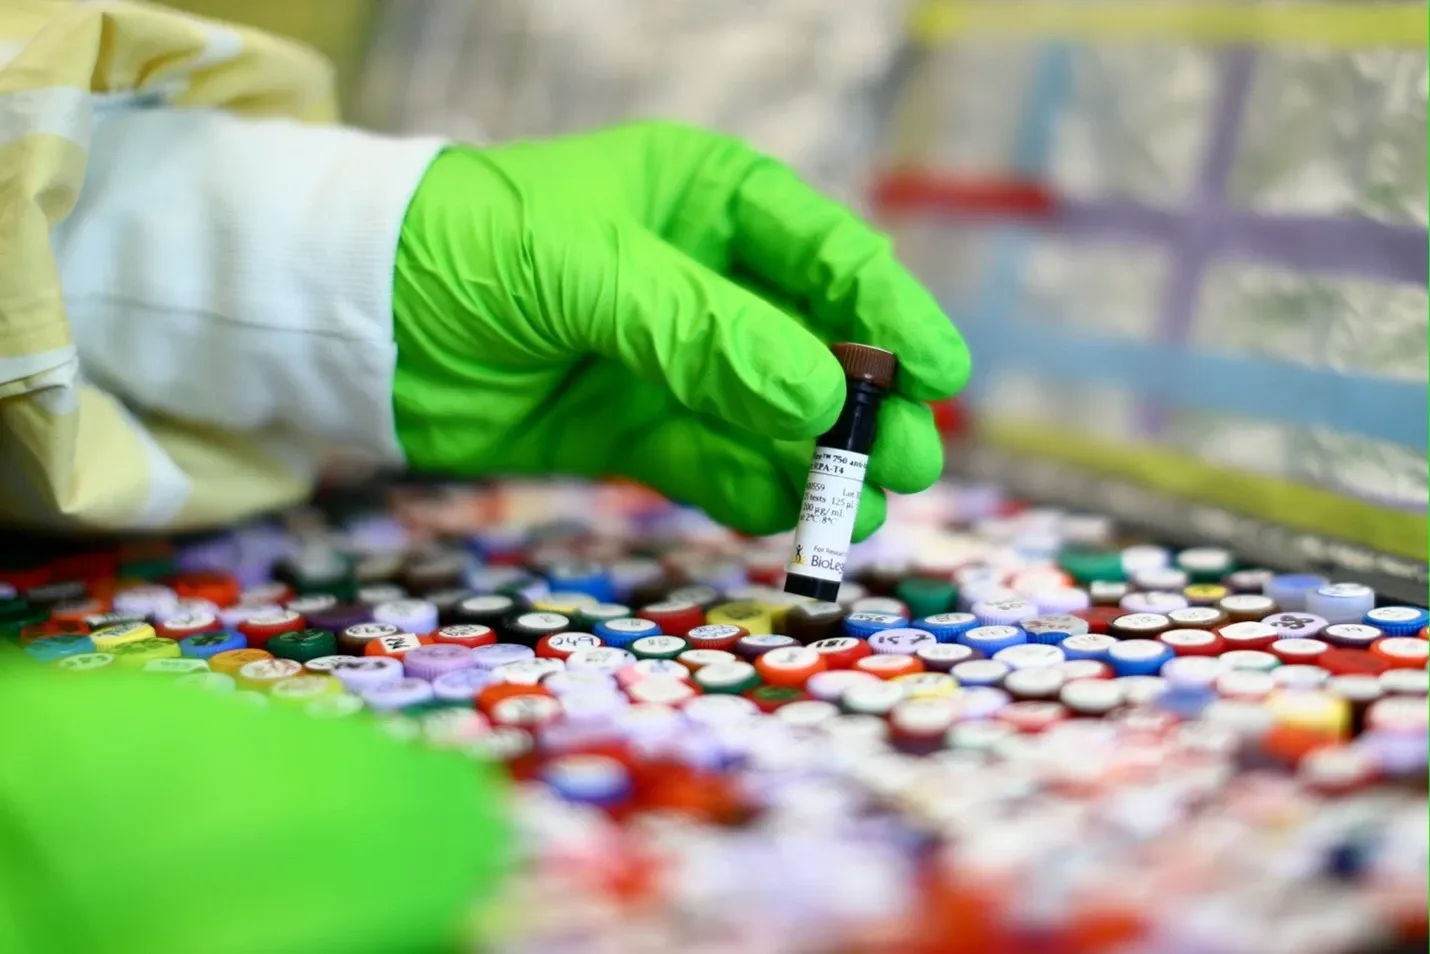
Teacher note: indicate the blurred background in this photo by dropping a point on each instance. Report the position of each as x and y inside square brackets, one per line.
[1186, 240]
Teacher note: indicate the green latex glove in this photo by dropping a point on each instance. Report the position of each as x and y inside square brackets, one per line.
[654, 302]
[137, 817]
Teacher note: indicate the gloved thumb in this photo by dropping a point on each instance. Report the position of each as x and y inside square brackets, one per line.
[720, 349]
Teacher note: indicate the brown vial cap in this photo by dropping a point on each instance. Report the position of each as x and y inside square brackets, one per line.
[866, 363]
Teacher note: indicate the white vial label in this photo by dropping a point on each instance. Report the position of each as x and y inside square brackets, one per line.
[826, 519]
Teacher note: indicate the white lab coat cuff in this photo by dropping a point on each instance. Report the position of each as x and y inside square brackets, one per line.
[238, 273]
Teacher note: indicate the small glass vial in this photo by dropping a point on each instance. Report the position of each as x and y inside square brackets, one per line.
[836, 475]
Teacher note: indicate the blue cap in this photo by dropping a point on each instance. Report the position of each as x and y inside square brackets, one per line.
[50, 648]
[624, 630]
[947, 627]
[1088, 646]
[588, 779]
[1397, 620]
[980, 672]
[864, 625]
[204, 645]
[1341, 602]
[1139, 657]
[589, 578]
[1052, 628]
[990, 639]
[1290, 590]
[1186, 702]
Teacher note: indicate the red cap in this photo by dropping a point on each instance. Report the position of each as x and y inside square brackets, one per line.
[841, 652]
[218, 588]
[260, 629]
[674, 618]
[1098, 618]
[1347, 662]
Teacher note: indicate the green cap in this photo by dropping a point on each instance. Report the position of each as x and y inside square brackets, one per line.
[14, 609]
[658, 647]
[588, 616]
[303, 644]
[727, 677]
[926, 597]
[25, 615]
[1085, 566]
[151, 569]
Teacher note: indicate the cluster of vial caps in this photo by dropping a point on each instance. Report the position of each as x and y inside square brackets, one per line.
[1011, 731]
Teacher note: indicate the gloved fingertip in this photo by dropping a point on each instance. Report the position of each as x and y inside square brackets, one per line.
[939, 369]
[797, 384]
[873, 508]
[908, 452]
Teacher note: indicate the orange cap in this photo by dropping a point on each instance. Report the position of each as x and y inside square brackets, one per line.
[230, 661]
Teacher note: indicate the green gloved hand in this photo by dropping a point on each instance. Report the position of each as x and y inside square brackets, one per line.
[138, 817]
[654, 302]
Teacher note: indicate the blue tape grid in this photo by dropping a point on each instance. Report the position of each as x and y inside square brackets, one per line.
[1000, 336]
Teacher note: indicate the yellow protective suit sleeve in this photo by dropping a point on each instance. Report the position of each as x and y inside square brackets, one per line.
[71, 455]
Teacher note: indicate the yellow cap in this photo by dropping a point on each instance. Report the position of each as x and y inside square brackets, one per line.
[263, 674]
[177, 667]
[134, 655]
[565, 603]
[108, 637]
[757, 619]
[85, 662]
[230, 661]
[1207, 593]
[300, 690]
[928, 685]
[1311, 709]
[777, 602]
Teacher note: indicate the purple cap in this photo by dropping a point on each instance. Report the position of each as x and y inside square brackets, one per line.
[1063, 599]
[368, 672]
[593, 705]
[1193, 672]
[980, 702]
[335, 619]
[399, 694]
[499, 654]
[375, 533]
[215, 555]
[649, 722]
[566, 682]
[700, 750]
[429, 662]
[901, 640]
[1289, 625]
[410, 616]
[461, 685]
[1395, 752]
